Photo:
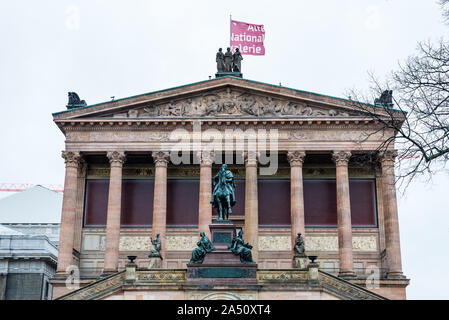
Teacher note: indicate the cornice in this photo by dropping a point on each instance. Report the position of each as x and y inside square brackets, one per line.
[161, 124]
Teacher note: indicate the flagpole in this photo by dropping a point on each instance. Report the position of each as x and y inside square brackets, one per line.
[230, 31]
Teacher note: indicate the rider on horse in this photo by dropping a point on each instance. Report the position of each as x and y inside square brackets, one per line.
[224, 191]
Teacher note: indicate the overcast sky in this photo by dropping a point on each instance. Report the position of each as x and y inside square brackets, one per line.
[110, 48]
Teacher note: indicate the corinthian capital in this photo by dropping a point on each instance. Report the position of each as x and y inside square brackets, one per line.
[116, 157]
[72, 158]
[250, 157]
[341, 158]
[206, 157]
[296, 158]
[388, 156]
[161, 157]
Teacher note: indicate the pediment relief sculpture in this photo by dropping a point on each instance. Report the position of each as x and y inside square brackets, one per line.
[230, 103]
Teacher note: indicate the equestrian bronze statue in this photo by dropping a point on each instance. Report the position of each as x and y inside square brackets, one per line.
[223, 195]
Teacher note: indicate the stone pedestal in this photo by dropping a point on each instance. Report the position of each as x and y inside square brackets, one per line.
[300, 262]
[222, 267]
[155, 263]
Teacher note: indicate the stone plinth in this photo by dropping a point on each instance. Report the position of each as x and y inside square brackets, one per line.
[222, 232]
[221, 267]
[224, 74]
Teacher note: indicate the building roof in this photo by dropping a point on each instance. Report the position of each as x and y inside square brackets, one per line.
[221, 78]
[34, 205]
[204, 86]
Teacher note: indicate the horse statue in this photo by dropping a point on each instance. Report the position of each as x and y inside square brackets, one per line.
[223, 195]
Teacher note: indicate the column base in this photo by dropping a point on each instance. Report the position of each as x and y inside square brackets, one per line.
[347, 274]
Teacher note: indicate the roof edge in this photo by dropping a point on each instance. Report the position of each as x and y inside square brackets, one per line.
[227, 76]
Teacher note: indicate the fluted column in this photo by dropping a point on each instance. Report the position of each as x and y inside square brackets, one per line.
[81, 185]
[161, 159]
[251, 234]
[68, 215]
[392, 242]
[341, 159]
[296, 159]
[205, 207]
[111, 256]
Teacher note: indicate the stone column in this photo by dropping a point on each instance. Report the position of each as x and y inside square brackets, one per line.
[296, 159]
[341, 159]
[251, 234]
[161, 159]
[68, 215]
[392, 242]
[111, 256]
[205, 207]
[82, 172]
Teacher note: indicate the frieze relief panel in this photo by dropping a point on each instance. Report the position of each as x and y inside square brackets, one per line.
[316, 243]
[181, 243]
[275, 243]
[364, 243]
[135, 243]
[230, 103]
[143, 243]
[266, 243]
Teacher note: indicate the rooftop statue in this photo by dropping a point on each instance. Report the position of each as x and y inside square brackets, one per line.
[204, 247]
[220, 61]
[75, 101]
[228, 60]
[223, 195]
[239, 247]
[385, 99]
[237, 61]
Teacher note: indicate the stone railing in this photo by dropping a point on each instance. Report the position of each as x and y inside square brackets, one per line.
[282, 276]
[346, 289]
[97, 289]
[157, 276]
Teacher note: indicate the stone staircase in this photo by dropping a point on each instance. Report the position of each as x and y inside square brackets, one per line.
[301, 280]
[97, 289]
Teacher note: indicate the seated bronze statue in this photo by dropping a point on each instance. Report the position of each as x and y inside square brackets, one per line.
[239, 247]
[204, 247]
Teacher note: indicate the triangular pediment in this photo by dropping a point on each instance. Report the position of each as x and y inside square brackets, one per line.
[220, 98]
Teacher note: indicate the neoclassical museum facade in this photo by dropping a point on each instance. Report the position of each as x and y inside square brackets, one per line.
[123, 185]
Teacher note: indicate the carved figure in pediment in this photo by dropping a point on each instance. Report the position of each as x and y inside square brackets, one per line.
[318, 112]
[248, 104]
[213, 105]
[305, 110]
[288, 108]
[174, 109]
[269, 107]
[151, 111]
[188, 107]
[228, 106]
[196, 107]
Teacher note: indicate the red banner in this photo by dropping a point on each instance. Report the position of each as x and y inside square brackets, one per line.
[248, 38]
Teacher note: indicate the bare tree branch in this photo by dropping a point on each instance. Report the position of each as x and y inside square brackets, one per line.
[419, 119]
